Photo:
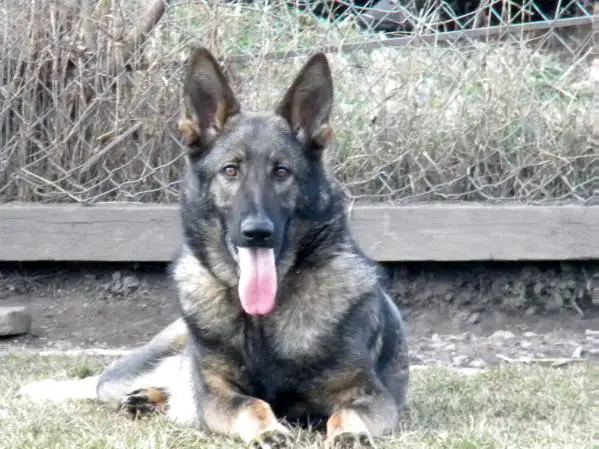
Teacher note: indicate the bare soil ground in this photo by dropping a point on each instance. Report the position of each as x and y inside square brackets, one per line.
[451, 319]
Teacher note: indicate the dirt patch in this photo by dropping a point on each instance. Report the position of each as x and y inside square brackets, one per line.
[507, 287]
[90, 306]
[455, 315]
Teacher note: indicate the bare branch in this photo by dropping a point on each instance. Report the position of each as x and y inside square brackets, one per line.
[138, 36]
[89, 28]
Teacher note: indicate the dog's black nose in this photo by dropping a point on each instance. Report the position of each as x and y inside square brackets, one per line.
[257, 229]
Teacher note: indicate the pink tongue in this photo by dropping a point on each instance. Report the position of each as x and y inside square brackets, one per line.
[257, 280]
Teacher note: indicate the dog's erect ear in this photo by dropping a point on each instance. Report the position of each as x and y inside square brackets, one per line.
[308, 102]
[208, 101]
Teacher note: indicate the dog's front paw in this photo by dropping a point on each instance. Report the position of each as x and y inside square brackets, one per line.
[272, 439]
[350, 440]
[145, 401]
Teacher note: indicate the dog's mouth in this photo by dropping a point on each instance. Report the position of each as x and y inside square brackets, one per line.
[257, 278]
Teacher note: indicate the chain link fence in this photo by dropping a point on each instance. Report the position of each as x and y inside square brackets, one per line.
[434, 100]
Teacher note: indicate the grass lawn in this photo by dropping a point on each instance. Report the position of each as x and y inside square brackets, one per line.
[520, 407]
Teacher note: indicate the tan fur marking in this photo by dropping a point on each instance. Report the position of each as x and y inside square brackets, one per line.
[345, 421]
[220, 117]
[334, 423]
[189, 130]
[254, 419]
[157, 397]
[219, 376]
[201, 295]
[346, 386]
[323, 135]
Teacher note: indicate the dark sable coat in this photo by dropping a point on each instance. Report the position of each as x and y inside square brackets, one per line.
[333, 347]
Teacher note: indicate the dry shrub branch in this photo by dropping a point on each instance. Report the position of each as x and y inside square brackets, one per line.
[89, 100]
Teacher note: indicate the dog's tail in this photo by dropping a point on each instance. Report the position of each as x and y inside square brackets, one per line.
[50, 390]
[149, 364]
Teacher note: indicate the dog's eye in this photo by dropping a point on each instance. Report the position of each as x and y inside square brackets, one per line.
[230, 170]
[281, 171]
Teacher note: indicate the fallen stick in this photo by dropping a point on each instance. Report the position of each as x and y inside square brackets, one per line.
[551, 361]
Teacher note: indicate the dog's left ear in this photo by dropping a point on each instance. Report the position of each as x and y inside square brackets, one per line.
[208, 101]
[307, 103]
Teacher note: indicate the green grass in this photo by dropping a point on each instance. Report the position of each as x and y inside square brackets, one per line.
[504, 408]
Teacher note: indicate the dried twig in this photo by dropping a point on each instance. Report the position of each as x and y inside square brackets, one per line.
[117, 140]
[551, 362]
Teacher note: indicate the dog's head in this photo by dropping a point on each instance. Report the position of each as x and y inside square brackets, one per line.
[253, 176]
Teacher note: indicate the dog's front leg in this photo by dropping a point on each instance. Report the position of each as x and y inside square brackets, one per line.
[360, 413]
[250, 419]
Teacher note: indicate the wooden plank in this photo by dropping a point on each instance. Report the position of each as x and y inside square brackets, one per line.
[104, 232]
[432, 232]
[445, 36]
[403, 41]
[477, 232]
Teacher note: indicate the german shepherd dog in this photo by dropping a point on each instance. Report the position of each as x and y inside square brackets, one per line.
[282, 318]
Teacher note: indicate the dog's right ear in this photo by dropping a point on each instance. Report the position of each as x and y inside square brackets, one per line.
[208, 101]
[307, 104]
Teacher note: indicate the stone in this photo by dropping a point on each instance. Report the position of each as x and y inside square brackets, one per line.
[502, 335]
[18, 287]
[459, 360]
[462, 315]
[538, 288]
[459, 337]
[14, 321]
[531, 311]
[478, 363]
[558, 301]
[130, 283]
[474, 318]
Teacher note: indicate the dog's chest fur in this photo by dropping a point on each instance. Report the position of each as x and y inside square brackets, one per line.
[275, 357]
[310, 304]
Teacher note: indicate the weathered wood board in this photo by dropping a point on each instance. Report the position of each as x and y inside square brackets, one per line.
[438, 232]
[106, 232]
[465, 233]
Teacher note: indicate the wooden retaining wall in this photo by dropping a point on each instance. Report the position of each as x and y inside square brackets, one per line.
[437, 232]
